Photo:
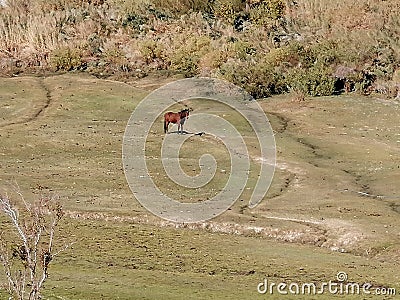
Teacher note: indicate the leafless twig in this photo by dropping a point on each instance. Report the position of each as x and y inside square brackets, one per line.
[27, 244]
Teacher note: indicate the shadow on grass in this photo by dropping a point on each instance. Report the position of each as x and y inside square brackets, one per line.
[186, 132]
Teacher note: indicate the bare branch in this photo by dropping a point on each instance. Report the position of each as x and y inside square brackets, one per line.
[35, 228]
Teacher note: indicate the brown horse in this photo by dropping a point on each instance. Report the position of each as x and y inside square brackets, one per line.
[176, 118]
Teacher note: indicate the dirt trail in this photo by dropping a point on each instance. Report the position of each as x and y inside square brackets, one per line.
[41, 103]
[48, 99]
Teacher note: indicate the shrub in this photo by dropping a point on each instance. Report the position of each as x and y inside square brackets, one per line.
[292, 55]
[67, 59]
[228, 9]
[151, 50]
[115, 61]
[259, 79]
[389, 89]
[384, 62]
[187, 57]
[286, 57]
[264, 12]
[213, 59]
[134, 21]
[243, 49]
[186, 63]
[363, 81]
[324, 53]
[314, 81]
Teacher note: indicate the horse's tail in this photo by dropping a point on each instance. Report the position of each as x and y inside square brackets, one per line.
[165, 126]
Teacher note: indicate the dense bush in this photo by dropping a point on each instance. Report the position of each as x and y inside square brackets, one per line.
[67, 59]
[227, 9]
[213, 60]
[261, 12]
[186, 59]
[314, 81]
[259, 79]
[151, 50]
[264, 12]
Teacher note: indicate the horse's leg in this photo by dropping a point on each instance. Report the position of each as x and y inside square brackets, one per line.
[182, 122]
[166, 126]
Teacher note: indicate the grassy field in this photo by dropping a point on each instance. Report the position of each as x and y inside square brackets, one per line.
[333, 206]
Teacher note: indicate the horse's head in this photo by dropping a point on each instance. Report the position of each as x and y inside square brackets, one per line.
[184, 113]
